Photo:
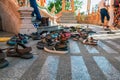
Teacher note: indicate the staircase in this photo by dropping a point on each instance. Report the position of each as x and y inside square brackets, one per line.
[67, 17]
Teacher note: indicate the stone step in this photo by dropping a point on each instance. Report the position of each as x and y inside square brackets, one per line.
[68, 19]
[116, 31]
[68, 22]
[47, 28]
[106, 35]
[67, 13]
[71, 17]
[6, 34]
[105, 32]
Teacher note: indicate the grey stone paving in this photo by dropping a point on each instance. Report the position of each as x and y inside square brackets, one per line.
[84, 62]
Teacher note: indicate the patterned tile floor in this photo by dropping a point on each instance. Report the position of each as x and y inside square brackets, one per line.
[83, 62]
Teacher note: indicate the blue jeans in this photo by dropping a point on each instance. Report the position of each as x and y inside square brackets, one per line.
[33, 4]
[104, 13]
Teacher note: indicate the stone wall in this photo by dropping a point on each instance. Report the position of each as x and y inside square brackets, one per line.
[9, 16]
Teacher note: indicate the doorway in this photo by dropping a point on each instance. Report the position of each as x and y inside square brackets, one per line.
[68, 5]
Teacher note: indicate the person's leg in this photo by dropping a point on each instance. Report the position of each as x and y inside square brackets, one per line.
[36, 10]
[31, 4]
[108, 18]
[102, 16]
[32, 14]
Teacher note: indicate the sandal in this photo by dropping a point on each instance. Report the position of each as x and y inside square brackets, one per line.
[11, 52]
[3, 62]
[25, 52]
[61, 47]
[22, 53]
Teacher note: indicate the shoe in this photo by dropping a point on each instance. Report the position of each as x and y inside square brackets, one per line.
[22, 53]
[24, 50]
[45, 21]
[52, 49]
[3, 62]
[61, 47]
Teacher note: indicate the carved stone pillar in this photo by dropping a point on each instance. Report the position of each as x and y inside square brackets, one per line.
[78, 17]
[72, 5]
[26, 24]
[42, 3]
[63, 5]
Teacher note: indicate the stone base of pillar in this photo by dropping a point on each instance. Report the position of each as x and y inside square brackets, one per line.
[27, 29]
[26, 23]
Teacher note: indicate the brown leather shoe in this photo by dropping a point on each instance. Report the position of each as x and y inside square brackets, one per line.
[24, 49]
[25, 52]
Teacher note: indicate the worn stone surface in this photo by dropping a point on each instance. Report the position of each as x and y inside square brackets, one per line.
[100, 62]
[26, 24]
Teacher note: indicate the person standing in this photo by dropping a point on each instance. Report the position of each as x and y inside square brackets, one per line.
[104, 13]
[33, 4]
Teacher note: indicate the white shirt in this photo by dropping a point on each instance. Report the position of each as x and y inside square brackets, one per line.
[102, 4]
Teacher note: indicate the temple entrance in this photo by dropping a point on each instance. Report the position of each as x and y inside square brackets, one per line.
[68, 5]
[1, 24]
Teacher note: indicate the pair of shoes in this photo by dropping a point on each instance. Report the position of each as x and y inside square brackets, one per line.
[18, 38]
[3, 62]
[22, 53]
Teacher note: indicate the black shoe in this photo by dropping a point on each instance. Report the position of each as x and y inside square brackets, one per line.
[3, 63]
